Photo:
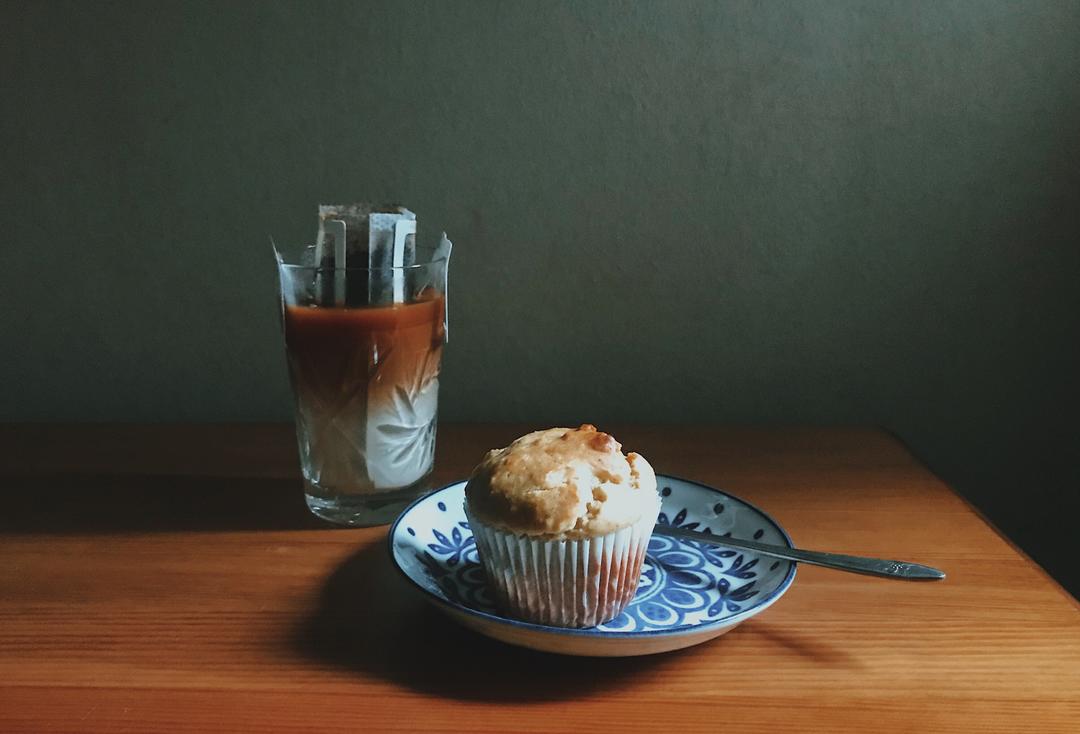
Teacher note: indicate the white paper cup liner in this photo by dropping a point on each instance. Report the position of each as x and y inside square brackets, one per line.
[563, 583]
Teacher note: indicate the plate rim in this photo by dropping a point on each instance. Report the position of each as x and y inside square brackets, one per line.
[719, 624]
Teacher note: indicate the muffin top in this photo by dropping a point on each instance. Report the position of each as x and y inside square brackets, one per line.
[570, 482]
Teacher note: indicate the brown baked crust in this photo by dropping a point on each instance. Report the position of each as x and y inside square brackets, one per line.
[562, 481]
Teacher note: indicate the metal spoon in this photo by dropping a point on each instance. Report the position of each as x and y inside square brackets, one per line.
[853, 564]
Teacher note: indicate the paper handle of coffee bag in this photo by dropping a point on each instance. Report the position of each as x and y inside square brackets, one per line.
[337, 228]
[402, 229]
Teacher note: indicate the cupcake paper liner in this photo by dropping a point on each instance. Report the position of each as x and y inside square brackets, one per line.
[564, 583]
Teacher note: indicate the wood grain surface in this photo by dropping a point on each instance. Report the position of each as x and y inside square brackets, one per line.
[169, 578]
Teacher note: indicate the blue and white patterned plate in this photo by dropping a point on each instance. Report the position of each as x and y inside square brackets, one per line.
[689, 593]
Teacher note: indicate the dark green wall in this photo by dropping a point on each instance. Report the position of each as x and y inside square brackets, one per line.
[852, 212]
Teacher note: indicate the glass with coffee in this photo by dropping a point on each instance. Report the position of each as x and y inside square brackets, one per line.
[365, 378]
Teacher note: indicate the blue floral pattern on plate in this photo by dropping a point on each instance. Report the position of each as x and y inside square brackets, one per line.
[684, 585]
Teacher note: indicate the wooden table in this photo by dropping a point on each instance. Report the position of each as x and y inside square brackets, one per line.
[169, 578]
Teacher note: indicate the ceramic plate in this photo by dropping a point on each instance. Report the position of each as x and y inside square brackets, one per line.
[689, 593]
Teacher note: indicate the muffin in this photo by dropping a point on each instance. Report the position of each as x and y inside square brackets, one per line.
[562, 519]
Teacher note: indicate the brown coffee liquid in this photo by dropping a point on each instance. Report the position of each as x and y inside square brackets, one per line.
[363, 381]
[335, 351]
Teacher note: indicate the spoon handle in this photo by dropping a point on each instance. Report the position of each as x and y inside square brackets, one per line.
[853, 564]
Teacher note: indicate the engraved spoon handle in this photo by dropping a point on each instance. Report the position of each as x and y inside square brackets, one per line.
[854, 564]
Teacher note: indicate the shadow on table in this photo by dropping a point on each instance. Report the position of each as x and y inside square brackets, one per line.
[83, 503]
[801, 644]
[370, 622]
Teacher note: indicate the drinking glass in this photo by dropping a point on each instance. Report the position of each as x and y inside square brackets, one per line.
[365, 379]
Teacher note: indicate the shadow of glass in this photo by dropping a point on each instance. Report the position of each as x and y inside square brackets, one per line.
[369, 621]
[79, 503]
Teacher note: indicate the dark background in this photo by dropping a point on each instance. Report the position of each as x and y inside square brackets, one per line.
[757, 212]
